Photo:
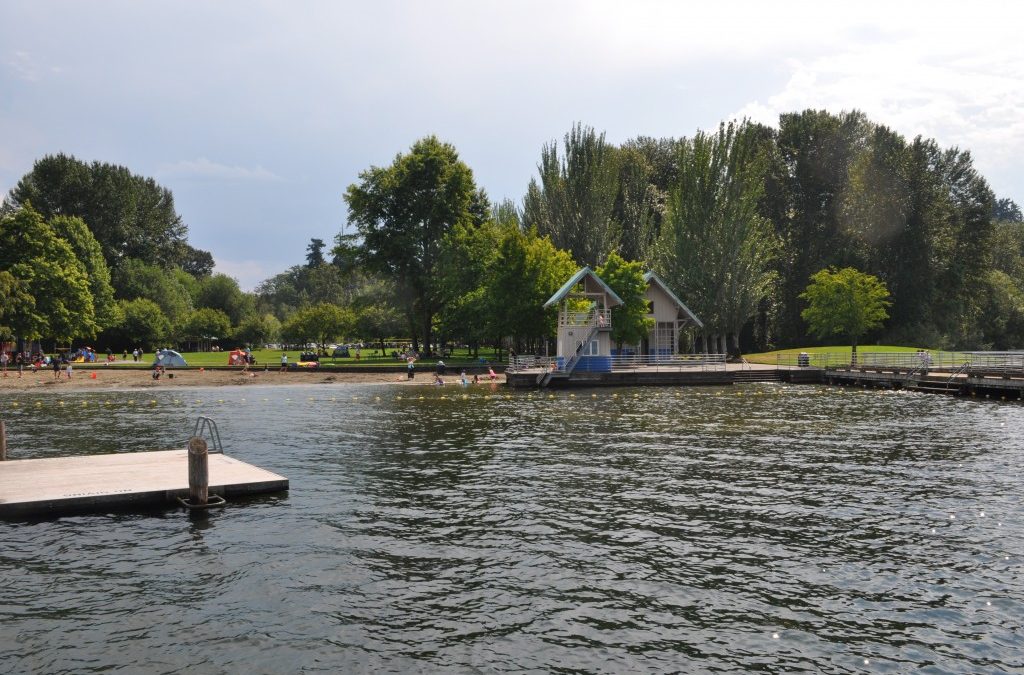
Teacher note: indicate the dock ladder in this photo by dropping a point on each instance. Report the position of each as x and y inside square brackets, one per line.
[206, 429]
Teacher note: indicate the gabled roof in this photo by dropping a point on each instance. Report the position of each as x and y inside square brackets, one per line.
[613, 299]
[652, 278]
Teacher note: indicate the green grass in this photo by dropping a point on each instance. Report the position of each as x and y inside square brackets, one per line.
[844, 350]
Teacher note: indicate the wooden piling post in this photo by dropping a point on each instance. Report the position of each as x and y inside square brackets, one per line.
[3, 441]
[198, 472]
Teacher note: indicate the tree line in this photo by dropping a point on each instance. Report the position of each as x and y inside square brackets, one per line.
[736, 220]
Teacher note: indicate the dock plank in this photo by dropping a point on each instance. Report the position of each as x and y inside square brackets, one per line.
[66, 484]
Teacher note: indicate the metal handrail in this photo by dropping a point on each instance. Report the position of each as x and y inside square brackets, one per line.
[668, 361]
[966, 367]
[204, 425]
[600, 317]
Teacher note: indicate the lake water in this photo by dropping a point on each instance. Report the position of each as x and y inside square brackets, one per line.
[757, 527]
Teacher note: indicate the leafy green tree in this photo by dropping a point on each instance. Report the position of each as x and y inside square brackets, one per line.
[85, 247]
[222, 292]
[403, 213]
[1007, 210]
[469, 257]
[194, 261]
[844, 302]
[575, 199]
[17, 302]
[315, 253]
[320, 324]
[639, 204]
[715, 248]
[816, 149]
[46, 269]
[1002, 312]
[144, 324]
[379, 322]
[530, 271]
[205, 322]
[131, 216]
[134, 279]
[259, 329]
[629, 322]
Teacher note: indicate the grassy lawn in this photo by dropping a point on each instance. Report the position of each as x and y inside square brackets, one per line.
[844, 350]
[272, 357]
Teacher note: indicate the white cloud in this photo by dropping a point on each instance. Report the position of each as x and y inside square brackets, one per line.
[23, 66]
[204, 168]
[961, 86]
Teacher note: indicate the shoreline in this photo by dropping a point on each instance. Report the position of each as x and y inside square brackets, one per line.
[136, 380]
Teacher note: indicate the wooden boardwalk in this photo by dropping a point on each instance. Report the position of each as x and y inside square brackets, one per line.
[59, 485]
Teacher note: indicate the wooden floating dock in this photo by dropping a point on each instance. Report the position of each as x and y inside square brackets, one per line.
[60, 485]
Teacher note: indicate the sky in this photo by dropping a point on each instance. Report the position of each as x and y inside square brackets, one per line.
[258, 115]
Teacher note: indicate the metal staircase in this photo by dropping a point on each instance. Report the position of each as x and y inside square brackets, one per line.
[592, 326]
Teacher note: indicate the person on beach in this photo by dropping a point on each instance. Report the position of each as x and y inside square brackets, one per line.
[491, 374]
[411, 368]
[438, 380]
[4, 358]
[70, 368]
[462, 378]
[284, 362]
[19, 361]
[56, 368]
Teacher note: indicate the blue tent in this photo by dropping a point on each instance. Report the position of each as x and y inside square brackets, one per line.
[168, 358]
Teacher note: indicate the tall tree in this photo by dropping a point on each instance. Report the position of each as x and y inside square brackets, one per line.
[44, 267]
[1008, 210]
[403, 213]
[315, 253]
[131, 216]
[816, 149]
[575, 199]
[85, 247]
[715, 247]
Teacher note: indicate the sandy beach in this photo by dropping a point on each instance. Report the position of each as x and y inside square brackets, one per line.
[118, 378]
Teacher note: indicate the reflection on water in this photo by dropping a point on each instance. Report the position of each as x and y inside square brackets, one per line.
[715, 529]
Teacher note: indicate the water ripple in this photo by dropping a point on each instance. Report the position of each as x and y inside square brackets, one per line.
[766, 527]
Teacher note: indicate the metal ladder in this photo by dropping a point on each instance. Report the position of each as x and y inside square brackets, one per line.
[206, 429]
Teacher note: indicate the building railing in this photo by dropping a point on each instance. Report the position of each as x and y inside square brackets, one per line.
[601, 318]
[656, 363]
[669, 362]
[964, 362]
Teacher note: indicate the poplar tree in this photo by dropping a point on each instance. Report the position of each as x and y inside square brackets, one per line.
[574, 201]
